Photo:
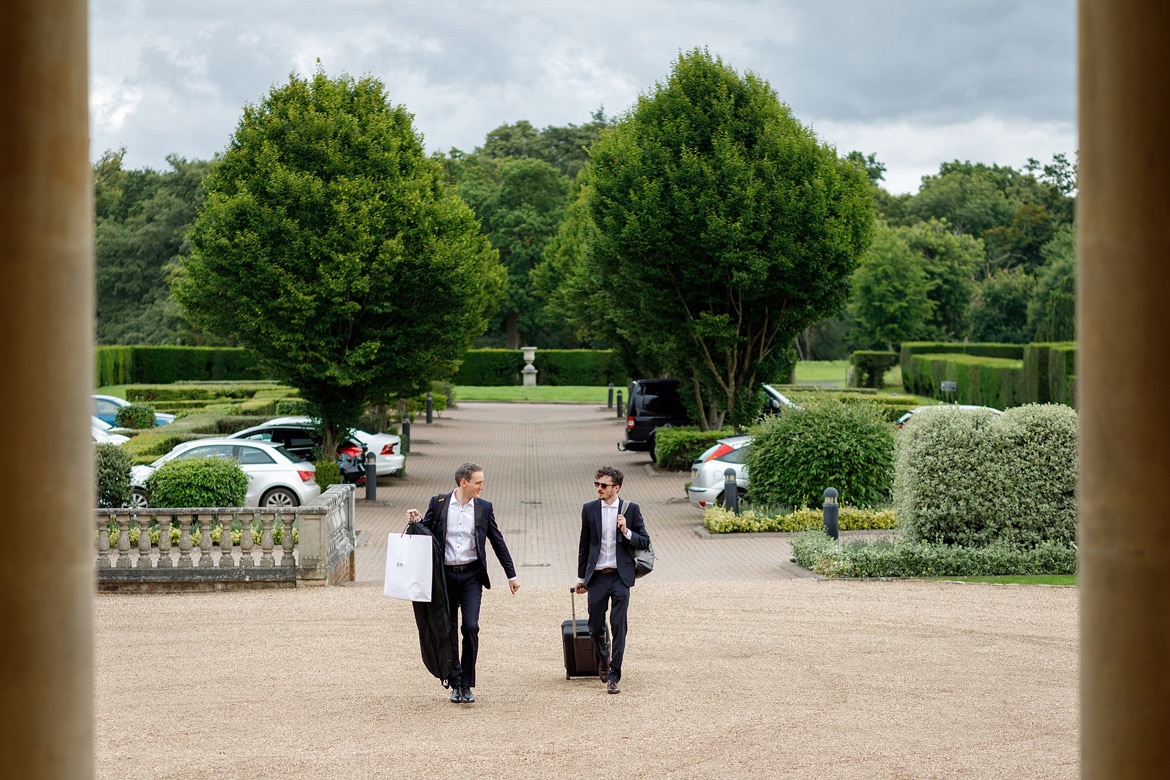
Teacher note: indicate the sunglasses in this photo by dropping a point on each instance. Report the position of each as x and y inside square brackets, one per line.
[604, 484]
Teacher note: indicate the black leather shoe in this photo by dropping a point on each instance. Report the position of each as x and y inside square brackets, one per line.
[468, 696]
[456, 694]
[612, 687]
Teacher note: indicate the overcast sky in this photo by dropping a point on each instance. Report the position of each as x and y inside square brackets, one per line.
[916, 82]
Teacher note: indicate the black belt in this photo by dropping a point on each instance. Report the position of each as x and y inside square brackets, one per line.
[610, 570]
[458, 566]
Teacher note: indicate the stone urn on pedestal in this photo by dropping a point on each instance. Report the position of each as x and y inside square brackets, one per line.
[529, 370]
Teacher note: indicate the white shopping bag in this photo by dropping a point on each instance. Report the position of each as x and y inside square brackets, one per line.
[408, 566]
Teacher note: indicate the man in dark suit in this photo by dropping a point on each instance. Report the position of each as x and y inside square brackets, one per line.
[610, 532]
[466, 524]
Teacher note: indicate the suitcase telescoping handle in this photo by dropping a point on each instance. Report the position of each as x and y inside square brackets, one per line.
[573, 601]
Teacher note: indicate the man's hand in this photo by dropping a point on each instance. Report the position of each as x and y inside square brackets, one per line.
[514, 585]
[412, 515]
[621, 524]
[580, 589]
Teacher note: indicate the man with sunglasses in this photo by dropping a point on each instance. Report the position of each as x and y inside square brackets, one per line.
[611, 530]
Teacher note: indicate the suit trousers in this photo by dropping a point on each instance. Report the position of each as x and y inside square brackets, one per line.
[607, 591]
[464, 595]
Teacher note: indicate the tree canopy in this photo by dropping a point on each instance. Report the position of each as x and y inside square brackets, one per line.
[722, 228]
[330, 247]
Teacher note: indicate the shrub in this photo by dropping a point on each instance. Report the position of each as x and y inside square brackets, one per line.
[718, 520]
[198, 482]
[135, 416]
[113, 475]
[972, 479]
[328, 473]
[901, 558]
[678, 447]
[796, 455]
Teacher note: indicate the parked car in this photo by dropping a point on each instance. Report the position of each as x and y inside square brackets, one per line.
[707, 473]
[653, 404]
[106, 408]
[962, 407]
[298, 434]
[276, 477]
[104, 433]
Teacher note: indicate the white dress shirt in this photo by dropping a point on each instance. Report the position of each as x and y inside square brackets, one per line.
[459, 546]
[607, 557]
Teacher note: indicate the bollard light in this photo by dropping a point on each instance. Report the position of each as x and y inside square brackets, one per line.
[730, 491]
[830, 506]
[430, 407]
[371, 475]
[609, 403]
[405, 434]
[620, 412]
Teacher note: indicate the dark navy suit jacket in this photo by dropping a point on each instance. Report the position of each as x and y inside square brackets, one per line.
[590, 547]
[486, 531]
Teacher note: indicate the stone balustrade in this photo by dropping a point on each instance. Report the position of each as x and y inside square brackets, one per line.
[316, 546]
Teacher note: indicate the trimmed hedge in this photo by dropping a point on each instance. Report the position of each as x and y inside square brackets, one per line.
[113, 475]
[501, 367]
[898, 558]
[1045, 373]
[679, 446]
[974, 479]
[796, 455]
[198, 482]
[718, 520]
[128, 365]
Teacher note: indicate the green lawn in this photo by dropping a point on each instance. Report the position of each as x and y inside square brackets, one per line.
[567, 394]
[834, 372]
[1039, 579]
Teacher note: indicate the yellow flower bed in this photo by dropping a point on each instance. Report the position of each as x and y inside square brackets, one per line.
[720, 521]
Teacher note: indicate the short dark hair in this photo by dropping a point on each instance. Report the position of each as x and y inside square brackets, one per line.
[610, 471]
[465, 471]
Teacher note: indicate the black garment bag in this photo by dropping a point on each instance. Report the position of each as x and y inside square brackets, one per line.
[431, 616]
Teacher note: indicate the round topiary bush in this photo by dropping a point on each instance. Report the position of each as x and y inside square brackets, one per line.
[797, 454]
[198, 482]
[328, 473]
[972, 478]
[113, 475]
[135, 416]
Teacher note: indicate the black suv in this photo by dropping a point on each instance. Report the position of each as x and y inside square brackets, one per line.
[654, 403]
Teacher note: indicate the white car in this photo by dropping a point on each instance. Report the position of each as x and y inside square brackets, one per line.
[387, 447]
[106, 408]
[104, 433]
[707, 473]
[276, 477]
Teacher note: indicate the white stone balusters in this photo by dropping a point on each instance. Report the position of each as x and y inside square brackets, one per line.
[185, 541]
[266, 559]
[287, 542]
[164, 541]
[103, 540]
[246, 560]
[123, 542]
[143, 540]
[205, 541]
[226, 561]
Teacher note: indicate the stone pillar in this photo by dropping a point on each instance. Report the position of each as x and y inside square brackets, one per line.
[1123, 316]
[46, 351]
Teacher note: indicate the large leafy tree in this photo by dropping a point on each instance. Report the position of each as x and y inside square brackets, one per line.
[329, 246]
[951, 263]
[722, 228]
[141, 219]
[1052, 308]
[999, 310]
[891, 301]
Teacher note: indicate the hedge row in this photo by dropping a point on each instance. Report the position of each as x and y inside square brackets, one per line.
[997, 375]
[832, 558]
[135, 365]
[718, 520]
[502, 367]
[118, 365]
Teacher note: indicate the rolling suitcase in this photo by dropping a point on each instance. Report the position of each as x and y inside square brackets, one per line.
[580, 660]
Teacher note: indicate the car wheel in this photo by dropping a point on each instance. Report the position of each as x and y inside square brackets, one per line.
[138, 499]
[279, 498]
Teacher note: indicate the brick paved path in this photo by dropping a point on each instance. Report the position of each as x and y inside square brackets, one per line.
[539, 461]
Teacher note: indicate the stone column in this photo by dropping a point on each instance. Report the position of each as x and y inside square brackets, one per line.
[1123, 301]
[46, 354]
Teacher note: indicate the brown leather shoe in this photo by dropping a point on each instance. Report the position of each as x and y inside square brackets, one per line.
[612, 687]
[603, 669]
